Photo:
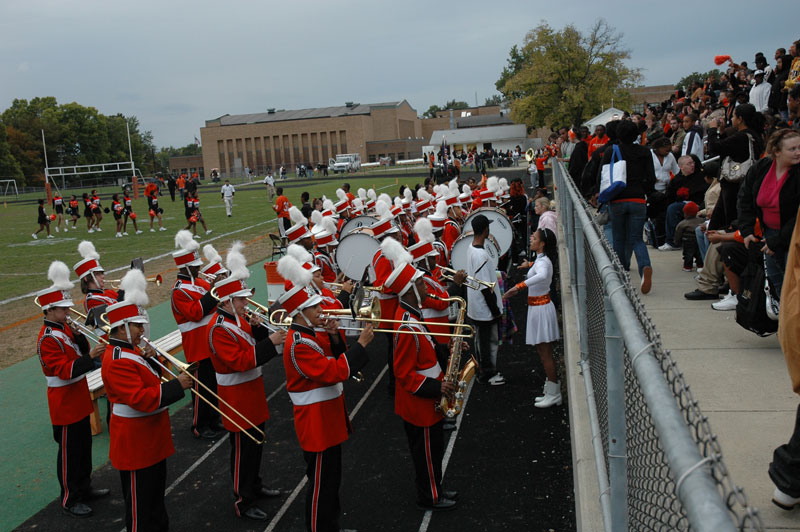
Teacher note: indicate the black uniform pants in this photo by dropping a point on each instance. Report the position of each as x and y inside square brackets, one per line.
[204, 415]
[324, 473]
[74, 463]
[785, 467]
[143, 492]
[245, 469]
[427, 450]
[390, 359]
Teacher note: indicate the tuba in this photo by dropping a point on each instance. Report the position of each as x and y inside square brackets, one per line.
[448, 406]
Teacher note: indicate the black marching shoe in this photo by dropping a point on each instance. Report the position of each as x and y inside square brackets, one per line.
[255, 513]
[450, 494]
[698, 295]
[205, 434]
[439, 506]
[97, 493]
[78, 509]
[269, 492]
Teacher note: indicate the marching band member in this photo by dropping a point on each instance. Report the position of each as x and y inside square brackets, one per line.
[452, 228]
[465, 198]
[93, 281]
[299, 233]
[314, 379]
[372, 199]
[66, 358]
[193, 308]
[483, 307]
[542, 328]
[324, 239]
[343, 205]
[140, 430]
[239, 348]
[424, 204]
[419, 386]
[213, 268]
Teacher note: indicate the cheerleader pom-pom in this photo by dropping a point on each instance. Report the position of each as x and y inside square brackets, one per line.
[719, 59]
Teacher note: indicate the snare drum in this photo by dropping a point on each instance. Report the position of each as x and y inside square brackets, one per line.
[459, 255]
[355, 223]
[355, 251]
[500, 227]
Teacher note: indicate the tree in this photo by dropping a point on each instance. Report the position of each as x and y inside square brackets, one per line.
[700, 77]
[495, 99]
[9, 167]
[431, 112]
[564, 77]
[456, 104]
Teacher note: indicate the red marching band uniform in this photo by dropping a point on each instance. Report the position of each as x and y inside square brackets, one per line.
[63, 355]
[97, 299]
[237, 352]
[314, 376]
[140, 430]
[193, 308]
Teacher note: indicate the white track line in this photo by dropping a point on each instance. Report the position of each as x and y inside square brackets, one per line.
[296, 491]
[223, 235]
[426, 520]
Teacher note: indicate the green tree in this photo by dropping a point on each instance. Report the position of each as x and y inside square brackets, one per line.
[495, 99]
[564, 77]
[456, 104]
[431, 112]
[9, 167]
[700, 77]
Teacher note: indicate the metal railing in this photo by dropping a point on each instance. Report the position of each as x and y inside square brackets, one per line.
[659, 465]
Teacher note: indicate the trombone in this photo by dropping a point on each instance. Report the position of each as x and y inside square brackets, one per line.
[471, 282]
[114, 283]
[262, 312]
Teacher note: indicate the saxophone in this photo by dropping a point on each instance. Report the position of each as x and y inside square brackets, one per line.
[448, 406]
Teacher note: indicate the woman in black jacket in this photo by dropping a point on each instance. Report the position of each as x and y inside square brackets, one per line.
[748, 124]
[770, 194]
[777, 98]
[629, 207]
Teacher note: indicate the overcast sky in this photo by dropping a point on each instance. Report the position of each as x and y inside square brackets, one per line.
[176, 63]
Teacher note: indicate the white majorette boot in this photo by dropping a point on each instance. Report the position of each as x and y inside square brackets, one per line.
[552, 395]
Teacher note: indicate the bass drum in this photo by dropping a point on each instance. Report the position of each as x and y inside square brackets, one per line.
[355, 251]
[355, 223]
[500, 227]
[459, 255]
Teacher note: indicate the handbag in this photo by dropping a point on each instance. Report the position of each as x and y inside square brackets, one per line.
[751, 308]
[602, 217]
[613, 177]
[734, 172]
[772, 303]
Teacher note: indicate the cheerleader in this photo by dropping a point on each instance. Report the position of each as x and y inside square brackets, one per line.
[97, 209]
[43, 221]
[116, 208]
[58, 208]
[88, 212]
[127, 212]
[72, 210]
[542, 327]
[156, 212]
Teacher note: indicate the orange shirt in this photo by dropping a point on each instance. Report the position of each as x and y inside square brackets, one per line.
[596, 143]
[150, 190]
[282, 206]
[181, 182]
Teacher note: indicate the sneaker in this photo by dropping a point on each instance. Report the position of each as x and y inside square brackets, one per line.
[34, 236]
[196, 237]
[66, 230]
[118, 235]
[668, 247]
[57, 229]
[647, 280]
[497, 380]
[784, 501]
[698, 295]
[727, 303]
[162, 229]
[50, 236]
[688, 269]
[92, 230]
[139, 232]
[152, 230]
[208, 232]
[99, 230]
[125, 233]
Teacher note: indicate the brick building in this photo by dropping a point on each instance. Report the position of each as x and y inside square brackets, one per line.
[187, 164]
[311, 136]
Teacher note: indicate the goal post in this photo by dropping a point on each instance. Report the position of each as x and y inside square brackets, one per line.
[7, 184]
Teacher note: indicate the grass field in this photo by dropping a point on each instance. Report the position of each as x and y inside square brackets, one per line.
[24, 261]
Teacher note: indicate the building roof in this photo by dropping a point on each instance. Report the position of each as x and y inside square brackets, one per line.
[483, 120]
[302, 114]
[479, 134]
[612, 113]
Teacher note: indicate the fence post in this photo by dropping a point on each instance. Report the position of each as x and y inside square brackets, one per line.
[617, 446]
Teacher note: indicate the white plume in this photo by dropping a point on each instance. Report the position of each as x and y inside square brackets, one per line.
[135, 286]
[58, 272]
[236, 263]
[297, 216]
[358, 204]
[87, 251]
[384, 197]
[424, 229]
[371, 194]
[423, 195]
[503, 182]
[441, 208]
[395, 252]
[329, 224]
[408, 195]
[453, 187]
[492, 184]
[211, 254]
[316, 217]
[184, 240]
[327, 204]
[292, 271]
[398, 202]
[299, 253]
[362, 193]
[382, 208]
[341, 194]
[466, 190]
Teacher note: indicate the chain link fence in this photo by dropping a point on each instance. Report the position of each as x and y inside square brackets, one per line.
[660, 467]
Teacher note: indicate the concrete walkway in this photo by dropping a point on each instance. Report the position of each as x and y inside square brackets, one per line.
[739, 379]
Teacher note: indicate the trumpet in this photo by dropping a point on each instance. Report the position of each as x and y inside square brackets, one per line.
[114, 283]
[210, 277]
[262, 312]
[471, 282]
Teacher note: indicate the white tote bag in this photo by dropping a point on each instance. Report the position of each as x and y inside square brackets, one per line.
[613, 177]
